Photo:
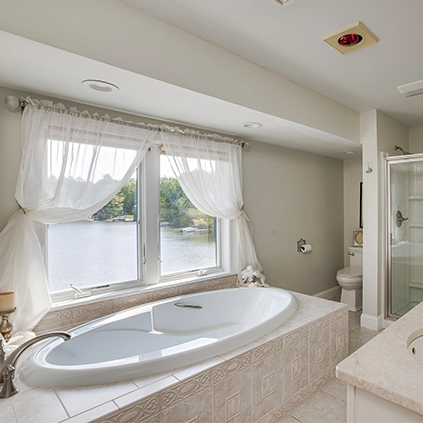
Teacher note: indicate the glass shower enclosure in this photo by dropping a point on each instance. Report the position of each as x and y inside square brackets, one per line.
[404, 222]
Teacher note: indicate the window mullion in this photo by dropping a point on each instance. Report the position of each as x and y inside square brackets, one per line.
[151, 184]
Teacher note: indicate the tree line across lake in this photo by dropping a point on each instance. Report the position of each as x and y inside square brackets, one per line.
[175, 208]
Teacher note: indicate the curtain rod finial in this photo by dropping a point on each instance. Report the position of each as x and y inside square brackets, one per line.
[245, 146]
[13, 104]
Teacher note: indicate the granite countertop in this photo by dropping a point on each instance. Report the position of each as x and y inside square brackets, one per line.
[385, 368]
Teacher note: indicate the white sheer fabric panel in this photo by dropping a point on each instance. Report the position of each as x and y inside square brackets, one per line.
[210, 173]
[71, 167]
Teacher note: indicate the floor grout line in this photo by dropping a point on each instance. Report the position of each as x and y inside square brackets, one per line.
[333, 396]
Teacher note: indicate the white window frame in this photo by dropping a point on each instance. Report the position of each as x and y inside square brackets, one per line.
[148, 220]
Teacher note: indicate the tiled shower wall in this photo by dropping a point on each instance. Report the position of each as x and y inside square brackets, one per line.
[259, 385]
[68, 318]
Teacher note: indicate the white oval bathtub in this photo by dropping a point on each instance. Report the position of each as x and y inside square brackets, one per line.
[159, 337]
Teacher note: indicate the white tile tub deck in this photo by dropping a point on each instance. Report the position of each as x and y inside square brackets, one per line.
[261, 381]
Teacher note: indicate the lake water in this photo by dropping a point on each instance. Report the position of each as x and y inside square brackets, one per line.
[99, 253]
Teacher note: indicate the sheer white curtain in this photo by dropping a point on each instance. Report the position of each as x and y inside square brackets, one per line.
[210, 173]
[72, 165]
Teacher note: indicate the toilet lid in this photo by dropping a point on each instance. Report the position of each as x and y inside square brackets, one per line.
[354, 272]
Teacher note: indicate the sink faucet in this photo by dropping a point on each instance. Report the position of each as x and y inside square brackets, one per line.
[8, 365]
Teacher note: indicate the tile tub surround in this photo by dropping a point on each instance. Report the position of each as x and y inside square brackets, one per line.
[258, 382]
[384, 367]
[67, 318]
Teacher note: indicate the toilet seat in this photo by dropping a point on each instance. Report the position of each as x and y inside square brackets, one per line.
[350, 278]
[351, 272]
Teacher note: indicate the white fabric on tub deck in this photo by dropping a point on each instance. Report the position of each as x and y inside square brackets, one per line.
[159, 337]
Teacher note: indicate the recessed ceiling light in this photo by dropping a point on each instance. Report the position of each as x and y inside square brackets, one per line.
[286, 3]
[251, 125]
[412, 89]
[348, 153]
[351, 38]
[99, 85]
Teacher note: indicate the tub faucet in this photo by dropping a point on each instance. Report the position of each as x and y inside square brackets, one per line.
[8, 365]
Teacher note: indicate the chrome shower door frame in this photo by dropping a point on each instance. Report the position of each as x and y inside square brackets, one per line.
[388, 162]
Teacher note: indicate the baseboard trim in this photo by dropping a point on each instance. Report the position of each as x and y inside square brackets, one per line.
[329, 293]
[372, 322]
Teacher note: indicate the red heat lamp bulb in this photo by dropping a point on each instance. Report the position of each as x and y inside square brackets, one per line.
[349, 40]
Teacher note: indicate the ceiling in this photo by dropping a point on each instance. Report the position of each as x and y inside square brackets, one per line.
[58, 73]
[288, 42]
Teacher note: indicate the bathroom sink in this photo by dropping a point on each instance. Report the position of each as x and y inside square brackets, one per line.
[416, 349]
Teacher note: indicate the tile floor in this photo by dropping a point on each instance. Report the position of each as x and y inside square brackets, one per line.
[329, 404]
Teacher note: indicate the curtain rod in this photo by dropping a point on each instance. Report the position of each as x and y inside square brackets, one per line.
[15, 104]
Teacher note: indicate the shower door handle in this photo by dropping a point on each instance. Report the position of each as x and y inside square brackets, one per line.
[400, 219]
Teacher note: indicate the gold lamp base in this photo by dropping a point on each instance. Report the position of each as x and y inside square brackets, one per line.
[5, 324]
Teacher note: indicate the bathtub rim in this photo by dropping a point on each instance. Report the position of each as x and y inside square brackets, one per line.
[38, 358]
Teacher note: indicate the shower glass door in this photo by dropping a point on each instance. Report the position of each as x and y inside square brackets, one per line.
[405, 233]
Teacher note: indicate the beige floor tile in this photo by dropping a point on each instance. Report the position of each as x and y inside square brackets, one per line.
[336, 388]
[321, 408]
[354, 319]
[365, 333]
[360, 336]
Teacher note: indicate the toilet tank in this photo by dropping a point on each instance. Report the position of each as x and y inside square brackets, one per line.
[356, 260]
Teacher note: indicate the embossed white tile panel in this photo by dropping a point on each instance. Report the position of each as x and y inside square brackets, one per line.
[196, 409]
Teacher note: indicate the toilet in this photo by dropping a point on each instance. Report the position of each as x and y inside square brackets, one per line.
[350, 279]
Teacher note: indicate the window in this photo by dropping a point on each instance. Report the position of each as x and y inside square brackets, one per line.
[98, 251]
[188, 237]
[148, 233]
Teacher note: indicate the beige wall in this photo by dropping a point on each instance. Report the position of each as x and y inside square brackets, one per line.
[352, 179]
[416, 139]
[291, 195]
[288, 195]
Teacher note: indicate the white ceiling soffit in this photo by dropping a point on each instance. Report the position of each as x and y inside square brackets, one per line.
[57, 73]
[288, 41]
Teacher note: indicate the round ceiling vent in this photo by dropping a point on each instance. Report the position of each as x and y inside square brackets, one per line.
[99, 85]
[252, 125]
